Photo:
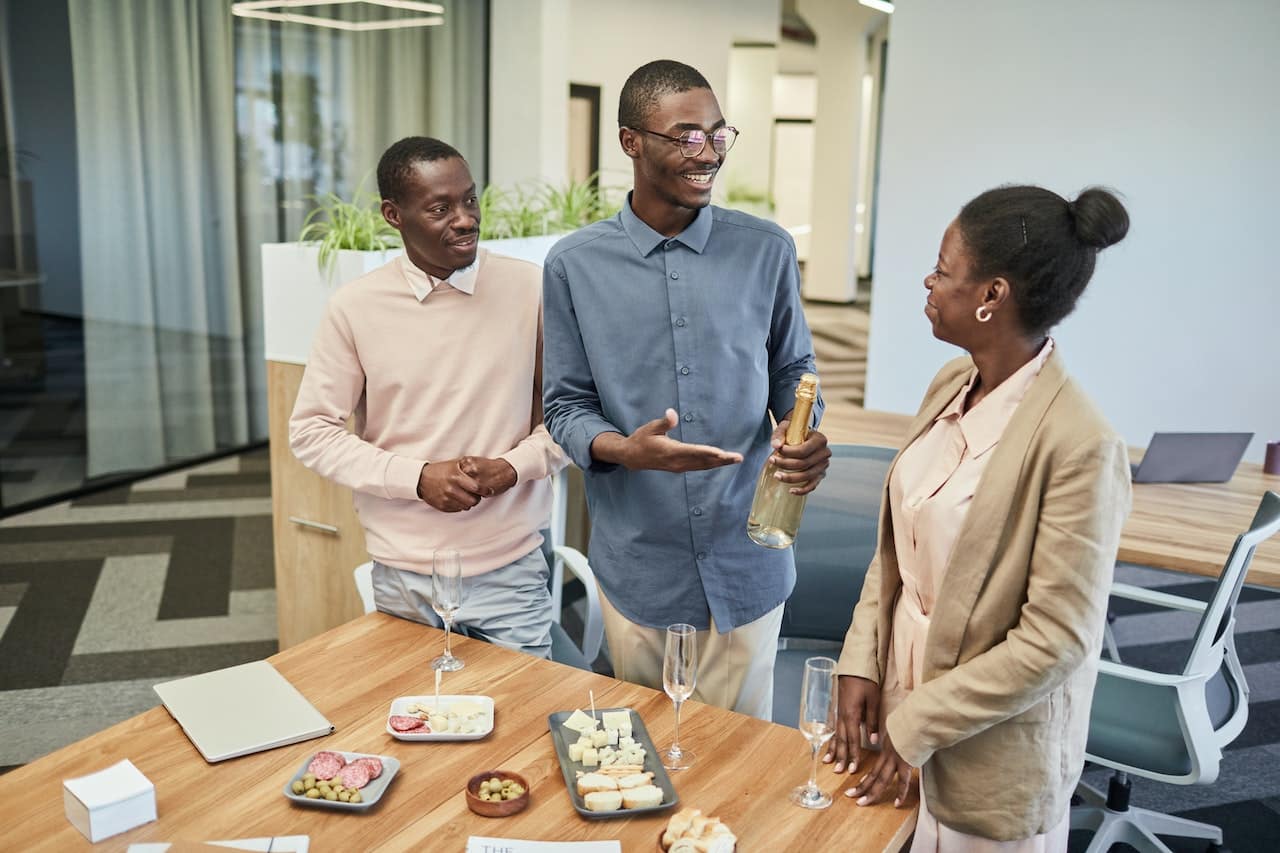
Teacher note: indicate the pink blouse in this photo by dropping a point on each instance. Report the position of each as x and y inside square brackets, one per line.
[930, 491]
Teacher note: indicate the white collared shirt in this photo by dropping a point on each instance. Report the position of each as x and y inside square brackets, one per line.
[424, 284]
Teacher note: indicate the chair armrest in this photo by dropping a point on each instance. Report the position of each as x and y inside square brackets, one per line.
[1160, 599]
[1142, 676]
[593, 632]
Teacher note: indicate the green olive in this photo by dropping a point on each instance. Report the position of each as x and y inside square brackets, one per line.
[313, 794]
[484, 787]
[345, 796]
[355, 797]
[495, 782]
[309, 779]
[298, 787]
[331, 796]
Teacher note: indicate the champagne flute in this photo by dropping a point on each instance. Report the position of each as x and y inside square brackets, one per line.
[446, 599]
[817, 723]
[679, 675]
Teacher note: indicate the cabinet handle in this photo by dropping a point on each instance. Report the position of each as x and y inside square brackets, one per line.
[315, 525]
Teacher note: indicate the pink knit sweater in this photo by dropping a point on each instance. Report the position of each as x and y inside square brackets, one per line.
[451, 375]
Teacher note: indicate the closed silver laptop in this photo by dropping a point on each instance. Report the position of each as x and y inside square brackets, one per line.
[241, 709]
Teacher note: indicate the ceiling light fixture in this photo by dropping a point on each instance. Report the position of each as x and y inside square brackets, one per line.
[281, 10]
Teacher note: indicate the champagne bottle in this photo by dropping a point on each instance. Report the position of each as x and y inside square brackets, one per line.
[775, 512]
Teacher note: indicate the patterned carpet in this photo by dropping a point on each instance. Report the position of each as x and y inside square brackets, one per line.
[104, 596]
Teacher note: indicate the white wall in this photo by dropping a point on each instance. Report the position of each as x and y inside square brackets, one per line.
[528, 91]
[1175, 105]
[605, 41]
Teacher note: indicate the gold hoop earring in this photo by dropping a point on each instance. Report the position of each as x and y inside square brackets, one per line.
[983, 314]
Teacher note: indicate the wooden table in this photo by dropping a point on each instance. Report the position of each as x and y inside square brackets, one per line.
[744, 772]
[1187, 527]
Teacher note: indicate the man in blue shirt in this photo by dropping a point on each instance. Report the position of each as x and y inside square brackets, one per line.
[675, 304]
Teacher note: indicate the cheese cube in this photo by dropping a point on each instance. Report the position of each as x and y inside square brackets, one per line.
[575, 752]
[616, 719]
[613, 736]
[599, 738]
[590, 757]
[580, 722]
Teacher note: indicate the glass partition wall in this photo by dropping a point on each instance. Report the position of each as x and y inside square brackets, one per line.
[149, 148]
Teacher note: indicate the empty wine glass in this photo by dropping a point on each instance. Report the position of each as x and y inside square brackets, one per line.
[817, 724]
[679, 675]
[446, 599]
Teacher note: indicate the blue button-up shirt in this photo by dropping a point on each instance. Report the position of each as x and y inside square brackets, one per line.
[708, 323]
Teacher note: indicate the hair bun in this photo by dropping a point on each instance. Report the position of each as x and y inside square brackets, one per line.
[1100, 218]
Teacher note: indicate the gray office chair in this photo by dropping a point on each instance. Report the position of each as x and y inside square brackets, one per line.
[559, 557]
[1171, 728]
[836, 542]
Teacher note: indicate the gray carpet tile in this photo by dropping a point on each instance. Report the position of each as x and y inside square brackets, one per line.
[11, 593]
[65, 545]
[252, 555]
[161, 663]
[43, 629]
[36, 721]
[201, 559]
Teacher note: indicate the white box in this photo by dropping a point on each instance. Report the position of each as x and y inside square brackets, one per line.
[110, 801]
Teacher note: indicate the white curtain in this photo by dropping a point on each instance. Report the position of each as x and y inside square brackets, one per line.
[200, 137]
[165, 368]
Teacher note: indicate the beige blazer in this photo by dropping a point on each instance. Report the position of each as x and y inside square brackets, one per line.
[1000, 719]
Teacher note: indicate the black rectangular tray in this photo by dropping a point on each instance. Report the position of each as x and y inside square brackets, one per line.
[570, 768]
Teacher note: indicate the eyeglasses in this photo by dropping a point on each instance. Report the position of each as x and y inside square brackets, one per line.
[692, 142]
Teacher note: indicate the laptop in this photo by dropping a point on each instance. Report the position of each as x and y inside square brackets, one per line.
[1191, 457]
[242, 709]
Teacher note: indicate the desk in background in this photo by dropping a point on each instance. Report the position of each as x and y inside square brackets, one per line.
[1187, 527]
[745, 769]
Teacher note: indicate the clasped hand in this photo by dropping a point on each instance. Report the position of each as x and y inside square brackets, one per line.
[456, 485]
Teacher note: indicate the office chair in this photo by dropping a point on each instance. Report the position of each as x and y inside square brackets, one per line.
[559, 557]
[1171, 728]
[834, 547]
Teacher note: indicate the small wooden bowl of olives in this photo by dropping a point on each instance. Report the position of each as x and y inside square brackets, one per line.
[497, 793]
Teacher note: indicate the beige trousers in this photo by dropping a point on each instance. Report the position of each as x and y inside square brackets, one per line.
[735, 669]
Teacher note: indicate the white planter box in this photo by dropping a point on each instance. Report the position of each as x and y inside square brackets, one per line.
[294, 291]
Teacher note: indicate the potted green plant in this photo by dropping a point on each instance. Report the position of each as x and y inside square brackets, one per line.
[340, 240]
[335, 225]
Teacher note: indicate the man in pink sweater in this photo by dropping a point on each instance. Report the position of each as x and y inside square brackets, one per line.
[438, 354]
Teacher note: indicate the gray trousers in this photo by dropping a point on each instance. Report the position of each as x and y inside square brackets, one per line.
[509, 606]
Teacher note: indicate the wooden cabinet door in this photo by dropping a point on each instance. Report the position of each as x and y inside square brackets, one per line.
[318, 537]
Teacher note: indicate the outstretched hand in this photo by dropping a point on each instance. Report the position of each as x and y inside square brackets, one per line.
[650, 448]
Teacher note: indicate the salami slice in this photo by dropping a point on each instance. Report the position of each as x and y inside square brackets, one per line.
[355, 775]
[326, 765]
[374, 765]
[406, 724]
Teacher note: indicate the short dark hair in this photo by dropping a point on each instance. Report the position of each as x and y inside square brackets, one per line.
[1044, 245]
[397, 162]
[649, 83]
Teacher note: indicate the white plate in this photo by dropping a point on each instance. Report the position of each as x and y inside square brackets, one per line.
[400, 706]
[369, 794]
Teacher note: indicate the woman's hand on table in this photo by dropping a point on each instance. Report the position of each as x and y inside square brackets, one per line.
[859, 704]
[890, 775]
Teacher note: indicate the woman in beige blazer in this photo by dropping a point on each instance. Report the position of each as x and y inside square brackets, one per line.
[972, 653]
